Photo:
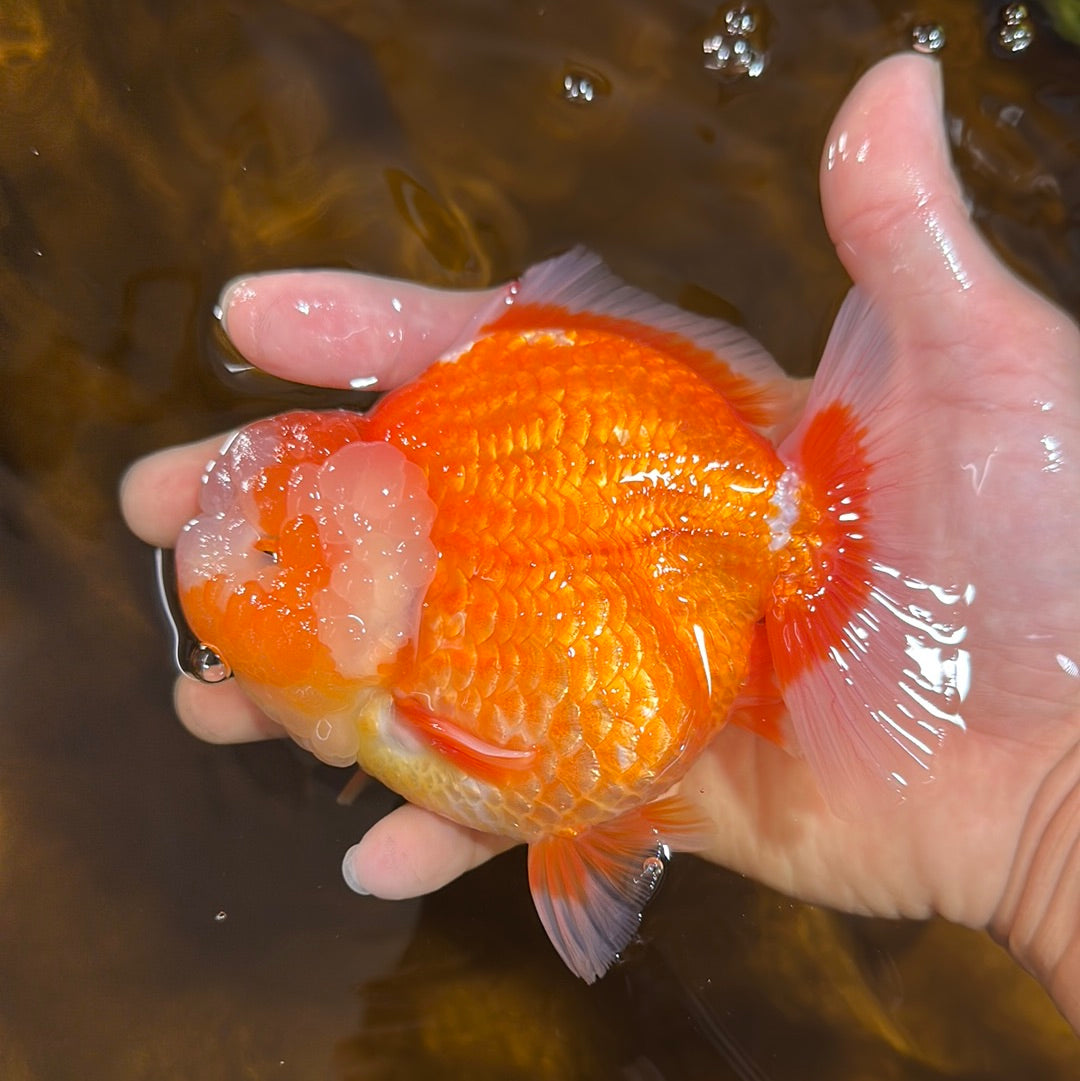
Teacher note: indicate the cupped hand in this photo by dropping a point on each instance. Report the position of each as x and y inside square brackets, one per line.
[993, 841]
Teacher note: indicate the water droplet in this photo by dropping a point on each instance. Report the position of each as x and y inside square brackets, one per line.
[928, 38]
[652, 870]
[583, 87]
[735, 44]
[191, 656]
[221, 917]
[1016, 31]
[206, 666]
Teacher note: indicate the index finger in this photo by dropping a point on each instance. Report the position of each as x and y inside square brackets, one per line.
[349, 330]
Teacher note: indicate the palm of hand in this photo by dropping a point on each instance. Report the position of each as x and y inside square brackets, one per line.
[1008, 364]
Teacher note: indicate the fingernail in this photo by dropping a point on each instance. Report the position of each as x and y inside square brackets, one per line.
[349, 875]
[233, 291]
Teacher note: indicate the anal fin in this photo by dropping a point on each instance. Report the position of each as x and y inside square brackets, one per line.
[590, 890]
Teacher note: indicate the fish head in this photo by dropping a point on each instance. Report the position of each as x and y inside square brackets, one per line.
[306, 568]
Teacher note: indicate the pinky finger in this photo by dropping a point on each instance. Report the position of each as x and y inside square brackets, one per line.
[412, 852]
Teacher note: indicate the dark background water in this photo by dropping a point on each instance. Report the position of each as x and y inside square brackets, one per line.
[173, 910]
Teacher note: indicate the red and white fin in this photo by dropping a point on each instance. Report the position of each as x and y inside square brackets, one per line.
[870, 634]
[577, 290]
[590, 890]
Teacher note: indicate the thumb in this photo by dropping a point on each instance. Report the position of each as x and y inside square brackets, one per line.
[892, 202]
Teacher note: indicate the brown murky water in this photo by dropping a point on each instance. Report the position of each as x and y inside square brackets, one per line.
[170, 910]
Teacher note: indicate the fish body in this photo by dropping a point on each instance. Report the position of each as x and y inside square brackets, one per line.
[529, 588]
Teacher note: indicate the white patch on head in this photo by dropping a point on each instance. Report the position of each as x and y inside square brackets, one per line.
[374, 518]
[221, 547]
[372, 515]
[454, 354]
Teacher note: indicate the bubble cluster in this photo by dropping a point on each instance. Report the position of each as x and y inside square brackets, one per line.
[652, 869]
[737, 48]
[1016, 30]
[581, 86]
[928, 38]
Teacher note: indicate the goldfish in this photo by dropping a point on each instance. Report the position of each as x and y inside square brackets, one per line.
[528, 589]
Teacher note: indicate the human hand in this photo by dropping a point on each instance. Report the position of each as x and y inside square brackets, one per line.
[993, 842]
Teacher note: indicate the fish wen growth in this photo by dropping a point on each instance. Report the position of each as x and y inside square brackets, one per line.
[528, 589]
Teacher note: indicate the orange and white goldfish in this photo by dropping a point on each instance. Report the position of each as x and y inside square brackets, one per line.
[527, 590]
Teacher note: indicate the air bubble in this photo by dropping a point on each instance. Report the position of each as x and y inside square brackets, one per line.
[206, 666]
[737, 47]
[652, 870]
[583, 87]
[221, 917]
[928, 38]
[1016, 31]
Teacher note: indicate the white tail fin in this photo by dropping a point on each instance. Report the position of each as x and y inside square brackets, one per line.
[870, 631]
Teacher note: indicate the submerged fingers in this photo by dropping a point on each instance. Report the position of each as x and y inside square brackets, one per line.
[412, 852]
[344, 329]
[160, 493]
[221, 713]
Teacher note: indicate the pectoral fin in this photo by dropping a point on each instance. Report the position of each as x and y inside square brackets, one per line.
[473, 755]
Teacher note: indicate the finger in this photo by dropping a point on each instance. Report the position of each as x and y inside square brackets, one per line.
[892, 202]
[411, 852]
[221, 713]
[160, 493]
[342, 329]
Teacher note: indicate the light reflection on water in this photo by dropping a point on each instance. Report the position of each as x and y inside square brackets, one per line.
[149, 152]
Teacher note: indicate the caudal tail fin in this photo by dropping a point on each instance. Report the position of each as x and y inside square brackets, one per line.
[869, 623]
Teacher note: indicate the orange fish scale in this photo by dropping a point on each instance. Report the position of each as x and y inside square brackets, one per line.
[603, 557]
[667, 515]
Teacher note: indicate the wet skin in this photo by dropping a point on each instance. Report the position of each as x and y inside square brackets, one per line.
[994, 842]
